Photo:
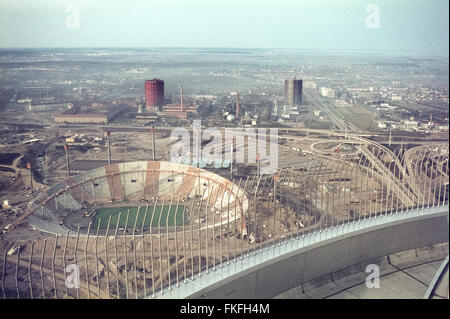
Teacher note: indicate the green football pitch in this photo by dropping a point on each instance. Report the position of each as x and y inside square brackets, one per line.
[160, 214]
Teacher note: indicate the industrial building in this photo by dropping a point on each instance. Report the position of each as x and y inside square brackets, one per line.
[96, 118]
[99, 117]
[146, 117]
[293, 92]
[180, 110]
[47, 107]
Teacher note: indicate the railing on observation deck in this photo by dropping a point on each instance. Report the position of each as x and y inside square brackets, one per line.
[143, 261]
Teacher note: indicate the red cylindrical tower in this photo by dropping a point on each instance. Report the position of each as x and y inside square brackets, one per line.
[154, 93]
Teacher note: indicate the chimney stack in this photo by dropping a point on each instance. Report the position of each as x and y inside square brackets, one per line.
[237, 105]
[181, 98]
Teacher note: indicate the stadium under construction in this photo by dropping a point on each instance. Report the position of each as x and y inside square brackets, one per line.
[145, 228]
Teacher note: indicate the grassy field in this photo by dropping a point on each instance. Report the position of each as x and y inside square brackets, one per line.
[159, 213]
[359, 116]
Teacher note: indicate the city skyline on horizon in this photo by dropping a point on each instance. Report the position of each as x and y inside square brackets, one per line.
[404, 27]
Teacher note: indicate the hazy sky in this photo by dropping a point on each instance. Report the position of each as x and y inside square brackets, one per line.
[407, 26]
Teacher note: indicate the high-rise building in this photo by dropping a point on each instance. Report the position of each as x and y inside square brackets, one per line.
[154, 94]
[293, 92]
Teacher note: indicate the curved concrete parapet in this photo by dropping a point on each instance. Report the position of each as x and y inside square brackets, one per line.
[268, 272]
